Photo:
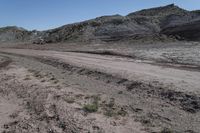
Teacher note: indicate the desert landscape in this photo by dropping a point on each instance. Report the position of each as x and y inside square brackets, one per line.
[138, 73]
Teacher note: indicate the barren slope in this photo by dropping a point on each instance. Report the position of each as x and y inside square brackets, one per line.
[156, 23]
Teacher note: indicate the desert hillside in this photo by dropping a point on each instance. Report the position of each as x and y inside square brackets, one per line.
[162, 22]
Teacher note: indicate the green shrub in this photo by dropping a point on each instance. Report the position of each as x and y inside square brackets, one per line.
[166, 130]
[91, 108]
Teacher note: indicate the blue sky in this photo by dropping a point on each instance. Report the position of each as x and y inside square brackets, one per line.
[47, 14]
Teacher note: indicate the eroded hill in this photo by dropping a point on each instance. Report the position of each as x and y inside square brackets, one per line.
[162, 22]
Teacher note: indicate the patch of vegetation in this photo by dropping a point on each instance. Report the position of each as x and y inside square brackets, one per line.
[93, 107]
[109, 113]
[166, 130]
[115, 112]
[133, 85]
[62, 125]
[111, 104]
[122, 112]
[112, 110]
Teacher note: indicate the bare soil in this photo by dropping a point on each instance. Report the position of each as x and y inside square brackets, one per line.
[48, 91]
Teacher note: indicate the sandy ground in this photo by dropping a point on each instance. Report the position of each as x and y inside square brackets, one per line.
[133, 95]
[131, 69]
[7, 108]
[181, 52]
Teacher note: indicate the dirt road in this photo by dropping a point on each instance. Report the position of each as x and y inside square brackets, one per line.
[186, 80]
[132, 92]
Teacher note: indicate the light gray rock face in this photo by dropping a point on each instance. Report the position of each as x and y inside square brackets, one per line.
[169, 20]
[15, 34]
[12, 34]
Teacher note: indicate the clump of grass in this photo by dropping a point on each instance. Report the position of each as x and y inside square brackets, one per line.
[122, 112]
[62, 125]
[93, 107]
[111, 110]
[109, 113]
[166, 130]
[111, 104]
